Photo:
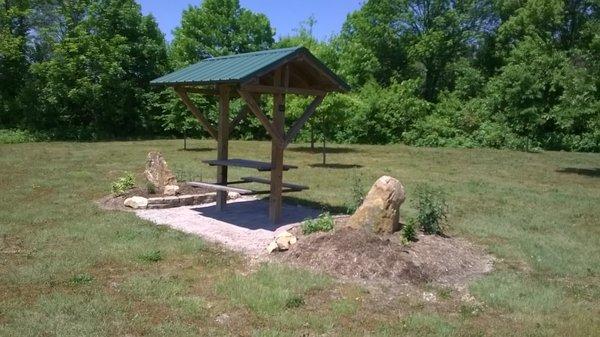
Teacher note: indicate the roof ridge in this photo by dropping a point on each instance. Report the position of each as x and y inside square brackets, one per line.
[259, 52]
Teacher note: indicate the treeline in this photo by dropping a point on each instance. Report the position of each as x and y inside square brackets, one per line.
[520, 74]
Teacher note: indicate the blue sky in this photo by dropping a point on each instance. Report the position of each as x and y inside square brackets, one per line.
[285, 15]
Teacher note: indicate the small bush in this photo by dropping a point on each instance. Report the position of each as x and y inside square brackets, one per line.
[124, 183]
[151, 256]
[151, 188]
[324, 223]
[8, 136]
[431, 210]
[409, 233]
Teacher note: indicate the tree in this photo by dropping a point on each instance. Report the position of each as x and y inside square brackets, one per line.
[96, 82]
[14, 28]
[215, 28]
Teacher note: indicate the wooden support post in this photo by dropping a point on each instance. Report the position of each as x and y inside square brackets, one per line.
[277, 147]
[223, 143]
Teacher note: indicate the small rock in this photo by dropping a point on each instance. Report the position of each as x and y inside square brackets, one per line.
[136, 202]
[171, 190]
[272, 247]
[233, 195]
[429, 297]
[380, 211]
[222, 319]
[283, 241]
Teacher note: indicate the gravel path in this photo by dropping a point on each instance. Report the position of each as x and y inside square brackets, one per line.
[244, 226]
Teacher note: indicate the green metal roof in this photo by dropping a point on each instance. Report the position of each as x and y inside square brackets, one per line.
[237, 68]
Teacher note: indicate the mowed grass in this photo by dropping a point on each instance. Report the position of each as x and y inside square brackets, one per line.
[68, 268]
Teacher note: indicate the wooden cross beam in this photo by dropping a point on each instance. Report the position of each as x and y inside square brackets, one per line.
[310, 110]
[264, 120]
[194, 110]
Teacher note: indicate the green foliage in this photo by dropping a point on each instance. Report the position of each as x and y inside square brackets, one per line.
[151, 256]
[357, 192]
[81, 279]
[150, 187]
[431, 209]
[123, 183]
[409, 232]
[323, 223]
[294, 301]
[16, 136]
[216, 28]
[504, 74]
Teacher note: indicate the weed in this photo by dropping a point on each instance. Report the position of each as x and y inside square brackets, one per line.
[81, 279]
[295, 301]
[431, 209]
[151, 256]
[151, 188]
[324, 223]
[124, 183]
[357, 192]
[409, 233]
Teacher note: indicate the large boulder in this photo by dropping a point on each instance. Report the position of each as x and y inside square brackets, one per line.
[380, 211]
[157, 171]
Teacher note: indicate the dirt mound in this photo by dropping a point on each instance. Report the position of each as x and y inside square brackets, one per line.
[356, 254]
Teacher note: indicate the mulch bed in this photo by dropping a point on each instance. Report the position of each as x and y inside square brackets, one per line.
[354, 254]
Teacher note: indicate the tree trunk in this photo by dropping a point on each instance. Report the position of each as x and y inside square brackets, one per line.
[324, 140]
[184, 140]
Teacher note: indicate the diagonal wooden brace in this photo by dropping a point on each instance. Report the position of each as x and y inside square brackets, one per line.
[194, 110]
[310, 110]
[253, 106]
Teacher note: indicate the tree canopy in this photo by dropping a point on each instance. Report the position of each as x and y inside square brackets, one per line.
[504, 74]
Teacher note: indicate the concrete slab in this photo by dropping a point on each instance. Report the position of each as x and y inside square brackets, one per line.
[244, 226]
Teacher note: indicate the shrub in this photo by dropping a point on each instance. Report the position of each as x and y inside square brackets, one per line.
[124, 183]
[409, 233]
[324, 223]
[17, 136]
[357, 193]
[431, 210]
[151, 188]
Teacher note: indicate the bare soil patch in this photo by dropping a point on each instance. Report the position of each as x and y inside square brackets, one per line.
[353, 254]
[115, 203]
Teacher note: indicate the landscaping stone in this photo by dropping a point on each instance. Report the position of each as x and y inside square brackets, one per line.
[157, 171]
[380, 211]
[171, 190]
[283, 241]
[136, 202]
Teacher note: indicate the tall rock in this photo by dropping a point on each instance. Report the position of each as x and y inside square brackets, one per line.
[380, 211]
[157, 171]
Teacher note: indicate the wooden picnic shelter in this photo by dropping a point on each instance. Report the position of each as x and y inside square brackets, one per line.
[248, 76]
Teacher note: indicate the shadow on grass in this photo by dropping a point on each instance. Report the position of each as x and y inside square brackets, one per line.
[323, 207]
[307, 149]
[336, 166]
[590, 172]
[197, 149]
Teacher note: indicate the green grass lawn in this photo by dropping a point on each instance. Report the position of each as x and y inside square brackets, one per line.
[68, 268]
